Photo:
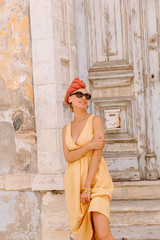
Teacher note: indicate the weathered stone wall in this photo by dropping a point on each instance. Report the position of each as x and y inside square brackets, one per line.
[54, 216]
[32, 115]
[17, 119]
[19, 210]
[20, 215]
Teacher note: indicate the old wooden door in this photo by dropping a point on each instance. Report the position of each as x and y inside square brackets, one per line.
[118, 57]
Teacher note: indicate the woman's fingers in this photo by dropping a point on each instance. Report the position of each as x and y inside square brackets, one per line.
[84, 201]
[100, 144]
[85, 197]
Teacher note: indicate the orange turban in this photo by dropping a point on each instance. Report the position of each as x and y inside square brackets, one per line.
[75, 85]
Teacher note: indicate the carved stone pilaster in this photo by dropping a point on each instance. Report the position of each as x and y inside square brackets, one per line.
[151, 172]
[151, 166]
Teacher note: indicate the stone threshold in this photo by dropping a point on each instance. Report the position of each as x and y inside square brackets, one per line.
[32, 182]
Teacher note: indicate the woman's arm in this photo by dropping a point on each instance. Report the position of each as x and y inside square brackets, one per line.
[98, 129]
[71, 156]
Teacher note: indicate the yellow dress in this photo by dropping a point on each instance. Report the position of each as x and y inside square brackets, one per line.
[74, 179]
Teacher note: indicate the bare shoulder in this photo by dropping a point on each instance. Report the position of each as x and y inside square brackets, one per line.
[97, 120]
[98, 127]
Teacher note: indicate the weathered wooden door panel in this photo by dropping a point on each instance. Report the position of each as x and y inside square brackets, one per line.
[120, 56]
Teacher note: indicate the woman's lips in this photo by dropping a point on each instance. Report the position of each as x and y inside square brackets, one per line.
[84, 103]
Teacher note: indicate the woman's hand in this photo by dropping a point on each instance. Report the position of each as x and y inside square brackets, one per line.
[85, 196]
[98, 142]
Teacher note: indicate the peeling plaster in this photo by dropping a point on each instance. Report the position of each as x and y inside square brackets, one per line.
[15, 52]
[21, 215]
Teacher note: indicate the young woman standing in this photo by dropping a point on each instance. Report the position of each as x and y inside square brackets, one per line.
[88, 184]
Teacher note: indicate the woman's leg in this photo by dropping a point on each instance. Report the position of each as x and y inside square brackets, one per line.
[101, 227]
[93, 237]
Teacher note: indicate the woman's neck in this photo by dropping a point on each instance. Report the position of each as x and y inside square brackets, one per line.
[80, 114]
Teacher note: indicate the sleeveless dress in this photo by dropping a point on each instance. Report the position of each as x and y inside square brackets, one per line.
[74, 179]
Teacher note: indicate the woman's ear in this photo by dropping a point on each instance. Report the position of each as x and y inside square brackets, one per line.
[71, 107]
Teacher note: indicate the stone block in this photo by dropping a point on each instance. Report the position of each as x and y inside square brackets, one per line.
[42, 50]
[54, 200]
[47, 182]
[23, 160]
[40, 8]
[41, 28]
[43, 73]
[7, 147]
[46, 117]
[47, 140]
[48, 163]
[54, 215]
[45, 95]
[17, 182]
[52, 221]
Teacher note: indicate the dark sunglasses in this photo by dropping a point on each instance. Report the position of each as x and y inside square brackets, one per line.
[80, 95]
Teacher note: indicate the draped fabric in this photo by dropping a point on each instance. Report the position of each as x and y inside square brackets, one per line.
[74, 179]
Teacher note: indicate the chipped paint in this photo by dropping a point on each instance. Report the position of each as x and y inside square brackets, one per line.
[19, 210]
[16, 92]
[15, 56]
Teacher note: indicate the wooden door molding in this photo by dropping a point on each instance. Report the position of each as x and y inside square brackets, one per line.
[120, 45]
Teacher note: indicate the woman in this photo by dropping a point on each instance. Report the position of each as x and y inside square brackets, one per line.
[88, 184]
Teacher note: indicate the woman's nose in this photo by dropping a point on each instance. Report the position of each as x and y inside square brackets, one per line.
[83, 97]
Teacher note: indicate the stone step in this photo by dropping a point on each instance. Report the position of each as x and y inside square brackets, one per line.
[133, 233]
[117, 154]
[120, 146]
[135, 212]
[118, 163]
[122, 166]
[118, 137]
[125, 175]
[136, 232]
[136, 190]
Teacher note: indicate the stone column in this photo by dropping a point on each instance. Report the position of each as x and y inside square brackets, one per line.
[54, 67]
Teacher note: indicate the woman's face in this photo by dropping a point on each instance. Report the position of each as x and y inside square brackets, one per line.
[79, 102]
